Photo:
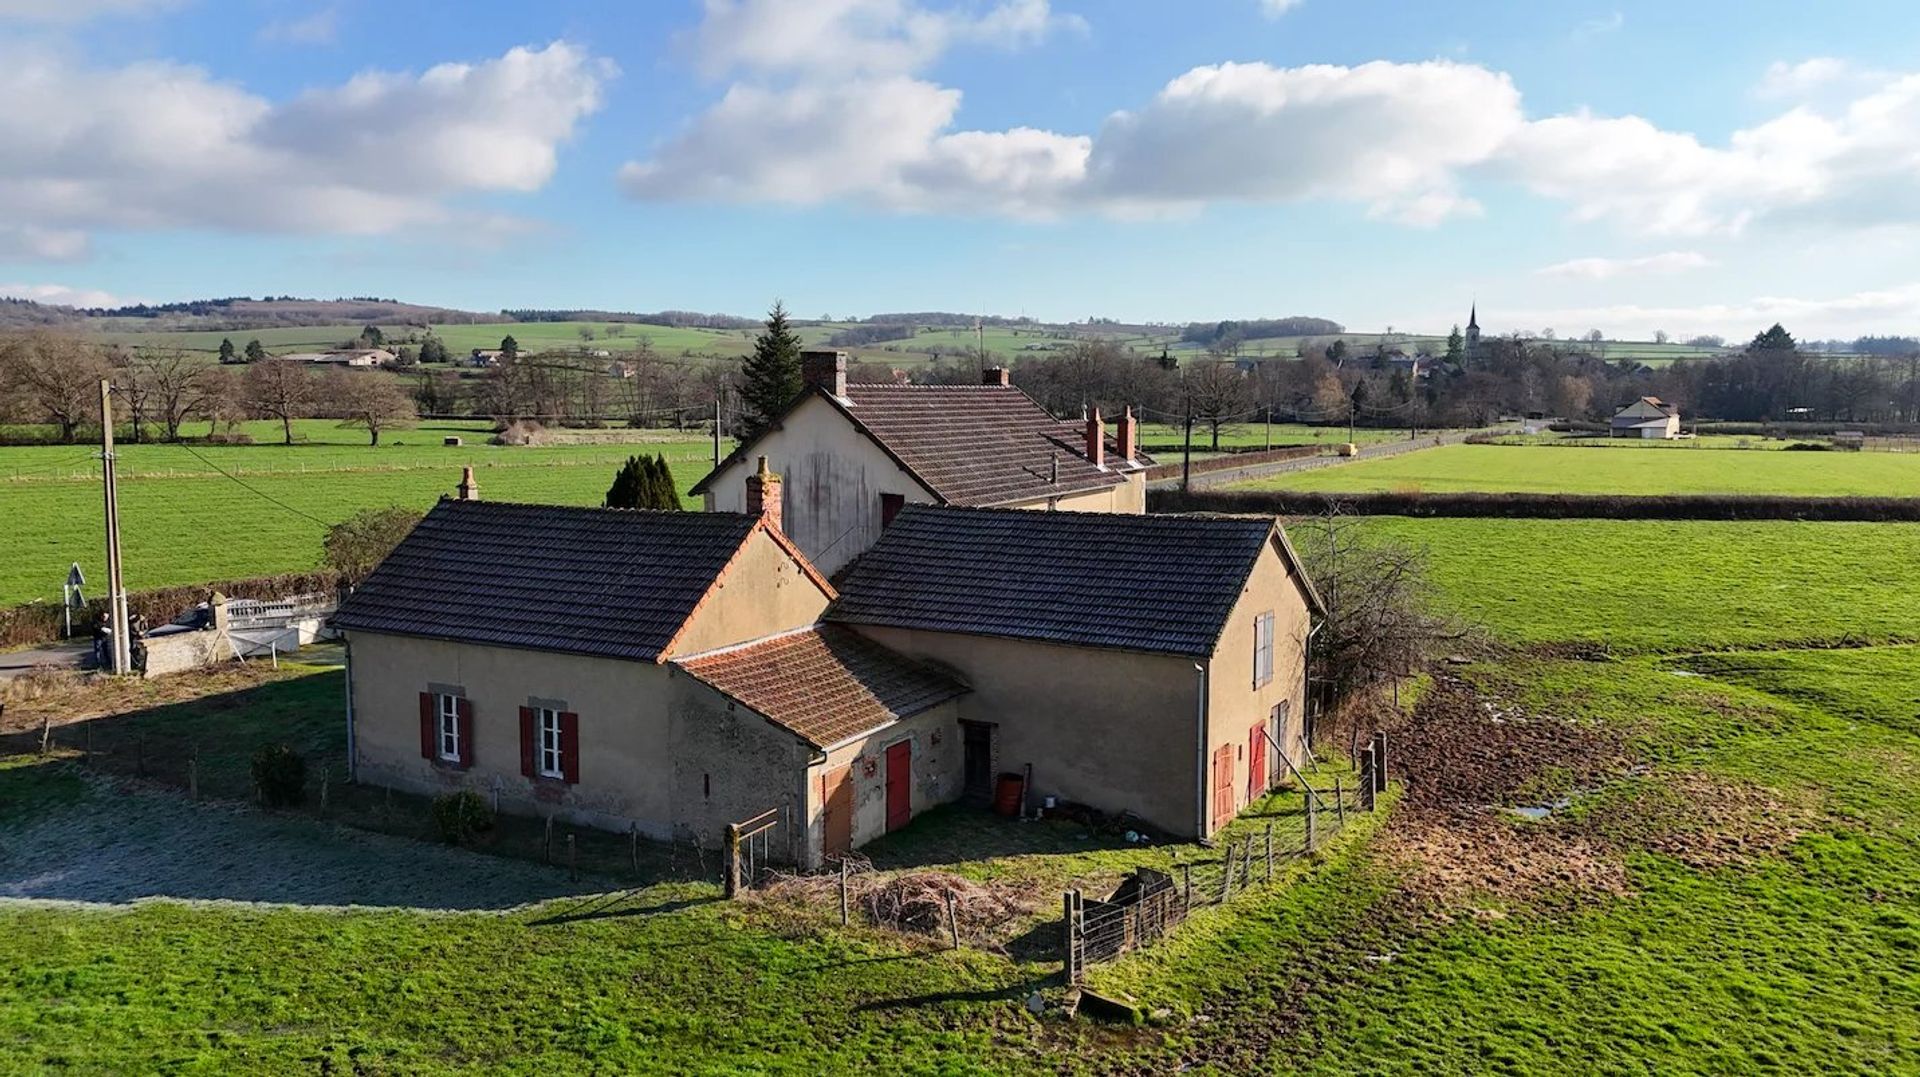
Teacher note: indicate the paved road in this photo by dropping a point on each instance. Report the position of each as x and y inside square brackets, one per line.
[70, 655]
[1276, 467]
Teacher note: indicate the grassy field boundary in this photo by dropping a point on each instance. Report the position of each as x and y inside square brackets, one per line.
[1519, 505]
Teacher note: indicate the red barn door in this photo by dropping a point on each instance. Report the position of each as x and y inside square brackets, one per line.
[1257, 762]
[837, 791]
[1222, 785]
[899, 784]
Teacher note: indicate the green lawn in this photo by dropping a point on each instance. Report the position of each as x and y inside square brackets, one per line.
[183, 522]
[1683, 585]
[1541, 469]
[1255, 435]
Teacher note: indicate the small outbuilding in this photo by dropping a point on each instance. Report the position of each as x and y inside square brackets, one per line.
[1649, 418]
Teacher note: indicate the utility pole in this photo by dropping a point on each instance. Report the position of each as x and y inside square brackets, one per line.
[121, 660]
[716, 430]
[1186, 455]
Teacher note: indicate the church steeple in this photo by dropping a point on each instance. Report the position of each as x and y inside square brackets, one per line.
[1473, 331]
[1473, 316]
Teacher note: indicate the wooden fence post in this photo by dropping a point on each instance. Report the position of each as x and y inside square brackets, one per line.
[953, 921]
[1226, 877]
[1311, 815]
[1186, 882]
[1068, 937]
[1366, 778]
[1380, 761]
[1269, 852]
[843, 891]
[733, 859]
[1339, 802]
[46, 732]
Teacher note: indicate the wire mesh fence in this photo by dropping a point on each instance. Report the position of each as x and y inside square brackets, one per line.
[1150, 902]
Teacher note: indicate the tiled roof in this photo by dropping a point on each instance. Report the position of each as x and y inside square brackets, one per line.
[615, 583]
[825, 684]
[972, 444]
[1161, 584]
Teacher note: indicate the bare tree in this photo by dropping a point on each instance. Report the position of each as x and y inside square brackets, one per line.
[55, 378]
[178, 386]
[1216, 393]
[368, 400]
[279, 389]
[1380, 622]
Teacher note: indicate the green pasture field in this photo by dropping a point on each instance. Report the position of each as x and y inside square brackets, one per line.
[1569, 470]
[184, 522]
[1247, 435]
[1671, 585]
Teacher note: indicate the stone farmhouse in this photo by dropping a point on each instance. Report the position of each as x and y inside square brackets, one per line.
[674, 672]
[1649, 418]
[853, 454]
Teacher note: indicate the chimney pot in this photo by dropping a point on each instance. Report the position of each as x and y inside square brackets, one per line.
[826, 369]
[1096, 438]
[763, 495]
[995, 375]
[469, 490]
[1128, 435]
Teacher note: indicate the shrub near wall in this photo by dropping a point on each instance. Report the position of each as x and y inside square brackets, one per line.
[40, 622]
[1542, 506]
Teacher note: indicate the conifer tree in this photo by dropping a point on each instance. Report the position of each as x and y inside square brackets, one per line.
[226, 351]
[772, 374]
[625, 491]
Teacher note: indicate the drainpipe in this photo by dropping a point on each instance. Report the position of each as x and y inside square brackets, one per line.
[352, 758]
[1200, 764]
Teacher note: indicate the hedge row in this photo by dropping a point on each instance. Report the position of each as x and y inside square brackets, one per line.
[1542, 506]
[1174, 468]
[40, 622]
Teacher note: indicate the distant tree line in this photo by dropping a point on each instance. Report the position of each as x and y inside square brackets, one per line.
[1207, 334]
[876, 333]
[678, 319]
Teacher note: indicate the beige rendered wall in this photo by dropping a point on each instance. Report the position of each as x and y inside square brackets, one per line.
[832, 477]
[935, 735]
[729, 764]
[625, 750]
[1130, 497]
[1235, 704]
[763, 593]
[1113, 729]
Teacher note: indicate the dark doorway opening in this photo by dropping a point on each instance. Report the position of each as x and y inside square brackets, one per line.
[976, 739]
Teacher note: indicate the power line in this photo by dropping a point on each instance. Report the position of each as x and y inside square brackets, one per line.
[249, 488]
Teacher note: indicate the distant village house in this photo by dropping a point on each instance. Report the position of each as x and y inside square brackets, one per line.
[1647, 417]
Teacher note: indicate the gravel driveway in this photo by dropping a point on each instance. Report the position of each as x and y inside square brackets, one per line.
[120, 845]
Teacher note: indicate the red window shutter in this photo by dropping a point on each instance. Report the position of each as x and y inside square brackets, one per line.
[526, 741]
[428, 734]
[464, 715]
[570, 747]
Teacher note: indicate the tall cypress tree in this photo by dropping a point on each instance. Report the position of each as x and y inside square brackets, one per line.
[626, 489]
[665, 496]
[772, 373]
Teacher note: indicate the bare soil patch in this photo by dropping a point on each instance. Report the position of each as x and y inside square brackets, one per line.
[1451, 858]
[1462, 748]
[1698, 819]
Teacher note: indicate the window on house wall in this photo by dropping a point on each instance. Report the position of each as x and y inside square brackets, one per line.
[551, 758]
[447, 725]
[1263, 649]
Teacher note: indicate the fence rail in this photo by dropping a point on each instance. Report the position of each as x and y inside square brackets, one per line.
[1149, 903]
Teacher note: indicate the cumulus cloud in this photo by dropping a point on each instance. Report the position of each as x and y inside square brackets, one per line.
[859, 37]
[26, 242]
[61, 295]
[161, 145]
[1609, 268]
[319, 28]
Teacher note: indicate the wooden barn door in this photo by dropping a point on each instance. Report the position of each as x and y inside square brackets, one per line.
[837, 791]
[1257, 762]
[899, 784]
[1222, 785]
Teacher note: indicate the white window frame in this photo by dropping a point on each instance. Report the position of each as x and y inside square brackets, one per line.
[446, 726]
[548, 758]
[1263, 649]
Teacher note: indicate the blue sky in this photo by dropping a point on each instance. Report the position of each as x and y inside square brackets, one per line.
[1698, 167]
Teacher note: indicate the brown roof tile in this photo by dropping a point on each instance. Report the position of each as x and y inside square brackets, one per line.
[971, 444]
[609, 582]
[825, 684]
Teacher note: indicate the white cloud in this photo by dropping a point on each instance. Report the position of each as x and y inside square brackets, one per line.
[1609, 268]
[60, 295]
[319, 28]
[1599, 25]
[78, 11]
[1888, 310]
[160, 145]
[841, 38]
[1273, 9]
[26, 242]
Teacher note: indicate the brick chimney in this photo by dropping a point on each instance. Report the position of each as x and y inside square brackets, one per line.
[763, 495]
[1096, 438]
[827, 369]
[1128, 435]
[468, 490]
[995, 375]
